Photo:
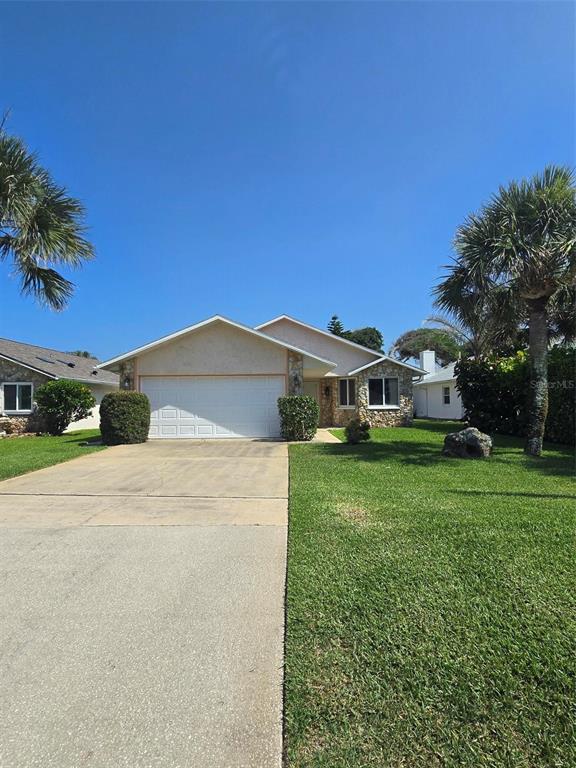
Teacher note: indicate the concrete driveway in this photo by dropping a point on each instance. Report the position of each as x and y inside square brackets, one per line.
[141, 608]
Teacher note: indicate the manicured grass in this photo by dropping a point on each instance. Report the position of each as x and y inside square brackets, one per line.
[24, 454]
[430, 605]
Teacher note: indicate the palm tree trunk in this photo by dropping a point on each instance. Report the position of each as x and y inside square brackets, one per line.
[538, 397]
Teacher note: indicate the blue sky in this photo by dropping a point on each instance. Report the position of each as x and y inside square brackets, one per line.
[259, 159]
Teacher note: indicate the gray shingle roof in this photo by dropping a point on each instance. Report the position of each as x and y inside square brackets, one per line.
[60, 365]
[444, 374]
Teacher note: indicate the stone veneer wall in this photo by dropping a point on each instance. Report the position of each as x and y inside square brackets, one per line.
[331, 415]
[386, 417]
[327, 402]
[27, 422]
[295, 373]
[126, 373]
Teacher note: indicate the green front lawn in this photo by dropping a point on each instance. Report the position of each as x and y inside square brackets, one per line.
[430, 605]
[24, 454]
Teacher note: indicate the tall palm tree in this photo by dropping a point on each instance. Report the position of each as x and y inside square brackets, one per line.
[41, 226]
[521, 249]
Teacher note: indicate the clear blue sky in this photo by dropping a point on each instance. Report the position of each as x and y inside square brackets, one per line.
[267, 158]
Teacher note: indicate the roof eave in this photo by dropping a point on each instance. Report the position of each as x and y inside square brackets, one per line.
[26, 365]
[203, 323]
[386, 359]
[321, 331]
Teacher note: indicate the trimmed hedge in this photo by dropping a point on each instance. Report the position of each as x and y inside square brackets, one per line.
[495, 394]
[63, 401]
[299, 416]
[124, 418]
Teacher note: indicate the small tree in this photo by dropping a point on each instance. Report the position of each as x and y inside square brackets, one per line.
[411, 343]
[62, 402]
[367, 337]
[83, 353]
[335, 326]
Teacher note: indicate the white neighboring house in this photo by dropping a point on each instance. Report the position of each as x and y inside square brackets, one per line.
[435, 395]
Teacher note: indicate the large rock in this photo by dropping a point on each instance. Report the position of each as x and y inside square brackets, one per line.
[469, 443]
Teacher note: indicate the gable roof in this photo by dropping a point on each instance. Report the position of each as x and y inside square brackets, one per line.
[209, 321]
[55, 364]
[379, 356]
[444, 374]
[387, 358]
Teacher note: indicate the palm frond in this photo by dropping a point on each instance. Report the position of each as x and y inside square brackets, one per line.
[45, 284]
[41, 226]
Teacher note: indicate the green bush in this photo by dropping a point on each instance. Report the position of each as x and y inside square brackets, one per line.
[299, 416]
[357, 431]
[124, 418]
[561, 421]
[63, 401]
[495, 394]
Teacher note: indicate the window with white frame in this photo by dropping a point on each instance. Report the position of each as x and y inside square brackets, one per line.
[17, 397]
[383, 392]
[347, 393]
[446, 395]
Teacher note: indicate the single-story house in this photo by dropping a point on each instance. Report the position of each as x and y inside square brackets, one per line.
[219, 378]
[436, 395]
[25, 367]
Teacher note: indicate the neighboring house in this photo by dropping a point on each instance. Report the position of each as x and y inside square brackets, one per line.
[25, 367]
[220, 378]
[435, 395]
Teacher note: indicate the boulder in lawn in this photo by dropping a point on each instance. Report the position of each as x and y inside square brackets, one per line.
[469, 443]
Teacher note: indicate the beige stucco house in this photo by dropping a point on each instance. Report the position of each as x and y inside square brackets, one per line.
[219, 378]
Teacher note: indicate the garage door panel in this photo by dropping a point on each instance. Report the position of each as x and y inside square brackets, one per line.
[206, 407]
[168, 413]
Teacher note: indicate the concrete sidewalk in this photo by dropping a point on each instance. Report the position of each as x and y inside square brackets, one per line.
[142, 608]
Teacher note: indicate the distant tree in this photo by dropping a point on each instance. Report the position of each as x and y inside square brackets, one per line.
[335, 326]
[83, 353]
[487, 330]
[366, 337]
[41, 226]
[410, 344]
[520, 248]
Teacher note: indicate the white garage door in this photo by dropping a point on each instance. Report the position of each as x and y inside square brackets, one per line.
[213, 406]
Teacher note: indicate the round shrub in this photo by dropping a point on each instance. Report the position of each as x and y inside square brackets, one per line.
[299, 416]
[357, 431]
[124, 418]
[62, 402]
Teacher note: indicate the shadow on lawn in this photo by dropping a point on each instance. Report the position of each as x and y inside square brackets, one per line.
[525, 494]
[81, 440]
[558, 462]
[398, 450]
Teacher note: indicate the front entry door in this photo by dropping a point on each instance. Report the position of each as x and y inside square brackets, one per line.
[311, 389]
